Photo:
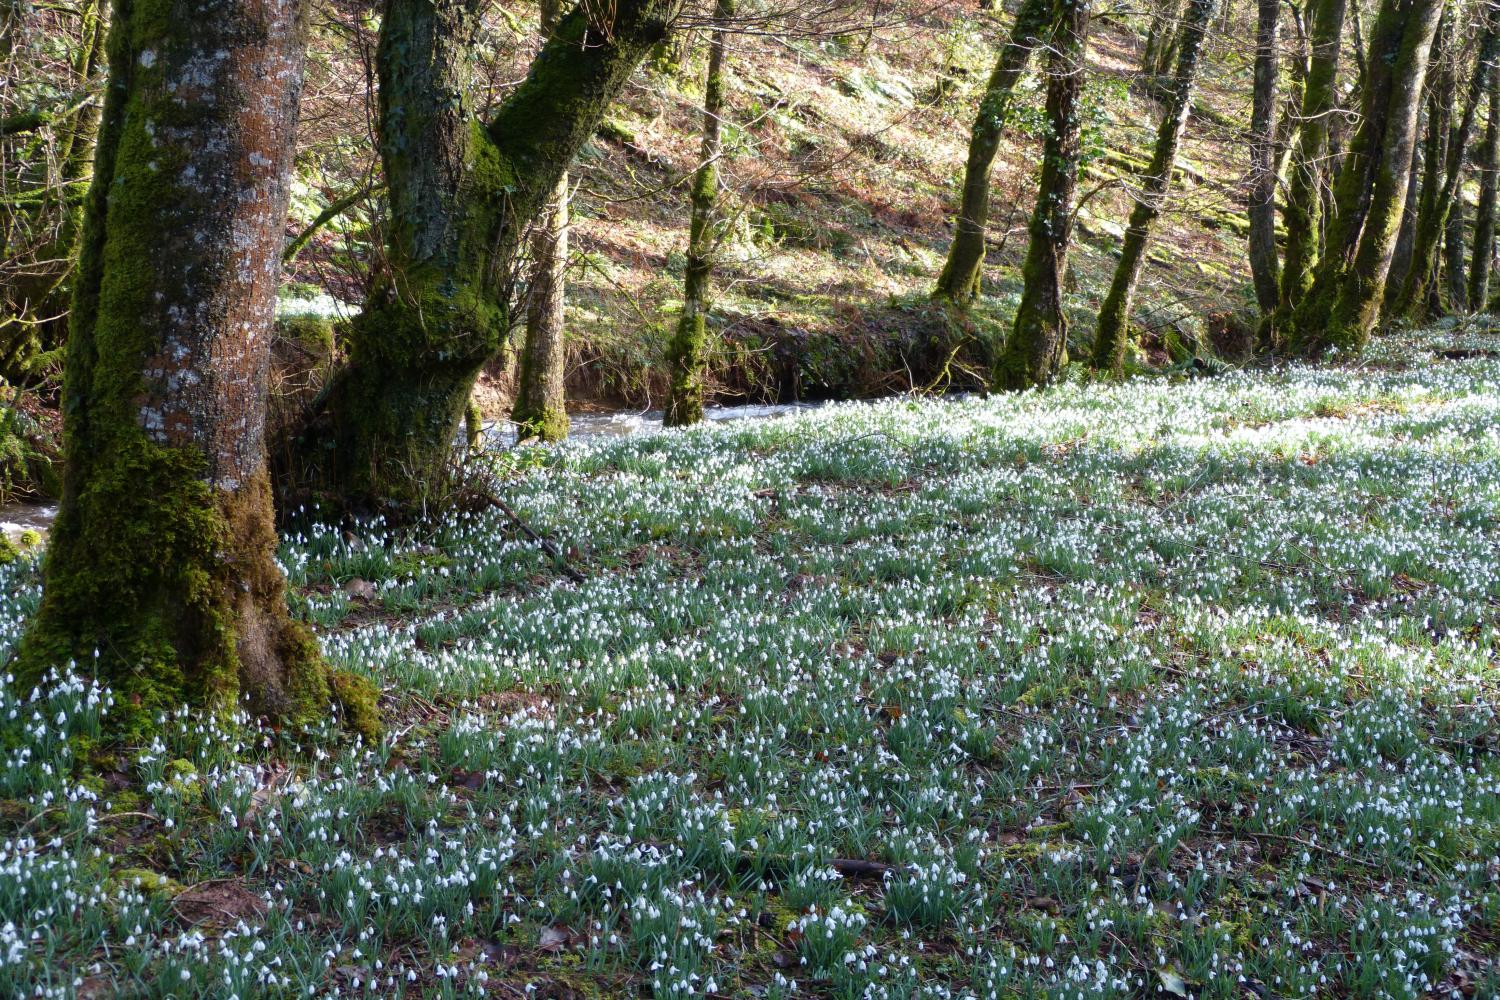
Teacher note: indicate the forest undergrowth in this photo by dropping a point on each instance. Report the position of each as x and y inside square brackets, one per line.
[1173, 686]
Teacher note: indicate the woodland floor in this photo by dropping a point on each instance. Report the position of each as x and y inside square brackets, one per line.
[1168, 687]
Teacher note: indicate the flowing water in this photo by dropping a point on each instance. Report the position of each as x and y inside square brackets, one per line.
[15, 519]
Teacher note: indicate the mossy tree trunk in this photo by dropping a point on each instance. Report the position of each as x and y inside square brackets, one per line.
[1420, 294]
[1453, 259]
[1303, 210]
[1481, 263]
[541, 406]
[1157, 55]
[1038, 343]
[962, 273]
[1406, 234]
[1113, 333]
[1343, 303]
[685, 353]
[462, 195]
[1426, 179]
[161, 574]
[1265, 262]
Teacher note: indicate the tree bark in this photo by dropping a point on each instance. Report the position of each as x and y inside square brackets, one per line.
[462, 194]
[1453, 259]
[1265, 262]
[1370, 193]
[541, 407]
[1406, 235]
[960, 280]
[1308, 171]
[161, 575]
[1157, 56]
[685, 353]
[1417, 293]
[1038, 344]
[1113, 333]
[1481, 264]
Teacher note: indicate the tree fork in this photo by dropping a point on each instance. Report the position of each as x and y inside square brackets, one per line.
[462, 196]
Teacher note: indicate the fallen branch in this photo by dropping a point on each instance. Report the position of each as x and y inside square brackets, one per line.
[526, 529]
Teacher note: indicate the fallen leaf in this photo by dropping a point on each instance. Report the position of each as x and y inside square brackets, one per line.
[1172, 982]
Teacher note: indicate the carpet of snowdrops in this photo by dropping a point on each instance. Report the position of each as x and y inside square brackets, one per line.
[1166, 688]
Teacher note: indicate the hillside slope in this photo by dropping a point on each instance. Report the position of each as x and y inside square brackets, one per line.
[845, 158]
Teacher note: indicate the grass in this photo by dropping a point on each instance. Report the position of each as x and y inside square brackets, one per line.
[1167, 687]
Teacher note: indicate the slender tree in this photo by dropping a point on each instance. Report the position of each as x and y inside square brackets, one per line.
[1113, 332]
[961, 276]
[1453, 258]
[1481, 264]
[685, 353]
[1265, 262]
[1309, 160]
[541, 409]
[1420, 286]
[1342, 305]
[161, 575]
[462, 195]
[1038, 344]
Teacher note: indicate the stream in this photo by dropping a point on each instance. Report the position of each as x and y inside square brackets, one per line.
[17, 518]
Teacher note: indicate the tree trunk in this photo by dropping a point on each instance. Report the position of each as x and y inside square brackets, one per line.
[1481, 264]
[1038, 344]
[462, 195]
[1370, 194]
[960, 280]
[1453, 259]
[161, 575]
[1113, 331]
[1156, 57]
[1427, 183]
[1265, 262]
[1306, 183]
[1417, 294]
[541, 406]
[685, 354]
[1406, 235]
